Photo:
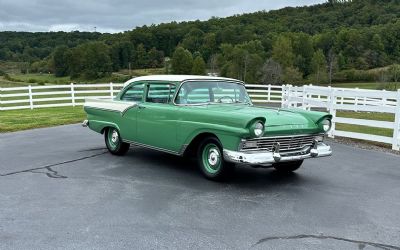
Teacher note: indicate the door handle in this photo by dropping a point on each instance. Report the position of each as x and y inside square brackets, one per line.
[141, 107]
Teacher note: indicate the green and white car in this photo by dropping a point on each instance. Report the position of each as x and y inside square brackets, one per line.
[211, 118]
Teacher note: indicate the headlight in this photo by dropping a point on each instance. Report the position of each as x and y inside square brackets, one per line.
[258, 129]
[326, 125]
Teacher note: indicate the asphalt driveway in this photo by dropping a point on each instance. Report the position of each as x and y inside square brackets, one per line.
[60, 189]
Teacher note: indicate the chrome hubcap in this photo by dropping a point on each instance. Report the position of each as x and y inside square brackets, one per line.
[213, 157]
[114, 137]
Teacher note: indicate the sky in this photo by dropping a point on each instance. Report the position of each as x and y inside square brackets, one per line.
[120, 15]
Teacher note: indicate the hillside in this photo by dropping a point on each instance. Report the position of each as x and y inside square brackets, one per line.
[303, 42]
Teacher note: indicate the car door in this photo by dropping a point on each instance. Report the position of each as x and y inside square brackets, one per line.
[128, 123]
[157, 117]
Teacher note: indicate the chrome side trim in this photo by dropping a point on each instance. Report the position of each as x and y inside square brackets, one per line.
[103, 109]
[319, 149]
[183, 149]
[152, 147]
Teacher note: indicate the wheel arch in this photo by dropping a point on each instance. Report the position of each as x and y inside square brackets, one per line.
[105, 125]
[191, 149]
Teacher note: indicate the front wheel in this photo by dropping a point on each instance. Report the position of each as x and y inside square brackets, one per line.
[114, 143]
[287, 167]
[211, 161]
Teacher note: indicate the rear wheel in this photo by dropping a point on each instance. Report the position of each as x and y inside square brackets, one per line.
[287, 167]
[211, 161]
[114, 143]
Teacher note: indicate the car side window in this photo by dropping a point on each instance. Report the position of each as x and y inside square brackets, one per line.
[199, 95]
[160, 93]
[134, 93]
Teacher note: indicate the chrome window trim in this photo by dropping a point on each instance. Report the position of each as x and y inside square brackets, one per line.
[204, 80]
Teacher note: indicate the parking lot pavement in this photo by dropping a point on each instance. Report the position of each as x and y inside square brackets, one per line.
[60, 189]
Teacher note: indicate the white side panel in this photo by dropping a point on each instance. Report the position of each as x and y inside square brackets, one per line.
[109, 104]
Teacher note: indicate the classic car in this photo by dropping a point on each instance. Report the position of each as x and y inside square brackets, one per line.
[210, 118]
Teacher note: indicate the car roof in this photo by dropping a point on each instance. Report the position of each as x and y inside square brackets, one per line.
[176, 78]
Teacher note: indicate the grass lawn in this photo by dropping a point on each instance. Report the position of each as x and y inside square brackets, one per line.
[144, 72]
[364, 85]
[41, 78]
[19, 80]
[365, 129]
[15, 120]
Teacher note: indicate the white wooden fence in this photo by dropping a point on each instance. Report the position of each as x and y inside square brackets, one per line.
[306, 97]
[54, 95]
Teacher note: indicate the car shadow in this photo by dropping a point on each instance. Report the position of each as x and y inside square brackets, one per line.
[146, 164]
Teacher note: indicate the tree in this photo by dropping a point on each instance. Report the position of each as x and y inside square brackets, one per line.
[141, 57]
[59, 62]
[332, 64]
[199, 66]
[90, 61]
[182, 61]
[155, 57]
[213, 63]
[282, 52]
[318, 66]
[394, 71]
[271, 72]
[292, 75]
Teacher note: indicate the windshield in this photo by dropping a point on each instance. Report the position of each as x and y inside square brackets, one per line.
[206, 92]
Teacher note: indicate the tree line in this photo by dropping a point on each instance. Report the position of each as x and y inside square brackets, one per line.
[334, 41]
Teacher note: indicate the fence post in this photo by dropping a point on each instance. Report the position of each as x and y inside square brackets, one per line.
[30, 96]
[111, 90]
[285, 96]
[1, 105]
[332, 110]
[72, 94]
[356, 102]
[396, 129]
[269, 92]
[384, 100]
[304, 104]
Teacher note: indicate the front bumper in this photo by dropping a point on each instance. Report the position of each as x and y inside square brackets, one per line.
[267, 157]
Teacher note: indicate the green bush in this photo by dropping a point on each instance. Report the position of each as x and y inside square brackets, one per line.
[353, 75]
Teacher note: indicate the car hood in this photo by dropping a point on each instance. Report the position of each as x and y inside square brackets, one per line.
[273, 116]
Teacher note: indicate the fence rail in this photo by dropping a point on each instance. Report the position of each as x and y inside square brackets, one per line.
[306, 97]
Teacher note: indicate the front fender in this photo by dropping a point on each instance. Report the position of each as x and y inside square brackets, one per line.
[227, 135]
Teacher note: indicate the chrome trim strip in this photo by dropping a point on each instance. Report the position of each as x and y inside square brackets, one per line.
[102, 109]
[183, 149]
[152, 147]
[283, 136]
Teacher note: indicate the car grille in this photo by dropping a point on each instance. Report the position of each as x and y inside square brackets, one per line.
[286, 143]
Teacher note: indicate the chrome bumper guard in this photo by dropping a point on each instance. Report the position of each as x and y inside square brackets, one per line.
[85, 123]
[318, 149]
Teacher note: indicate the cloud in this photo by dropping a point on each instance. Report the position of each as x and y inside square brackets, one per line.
[120, 15]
